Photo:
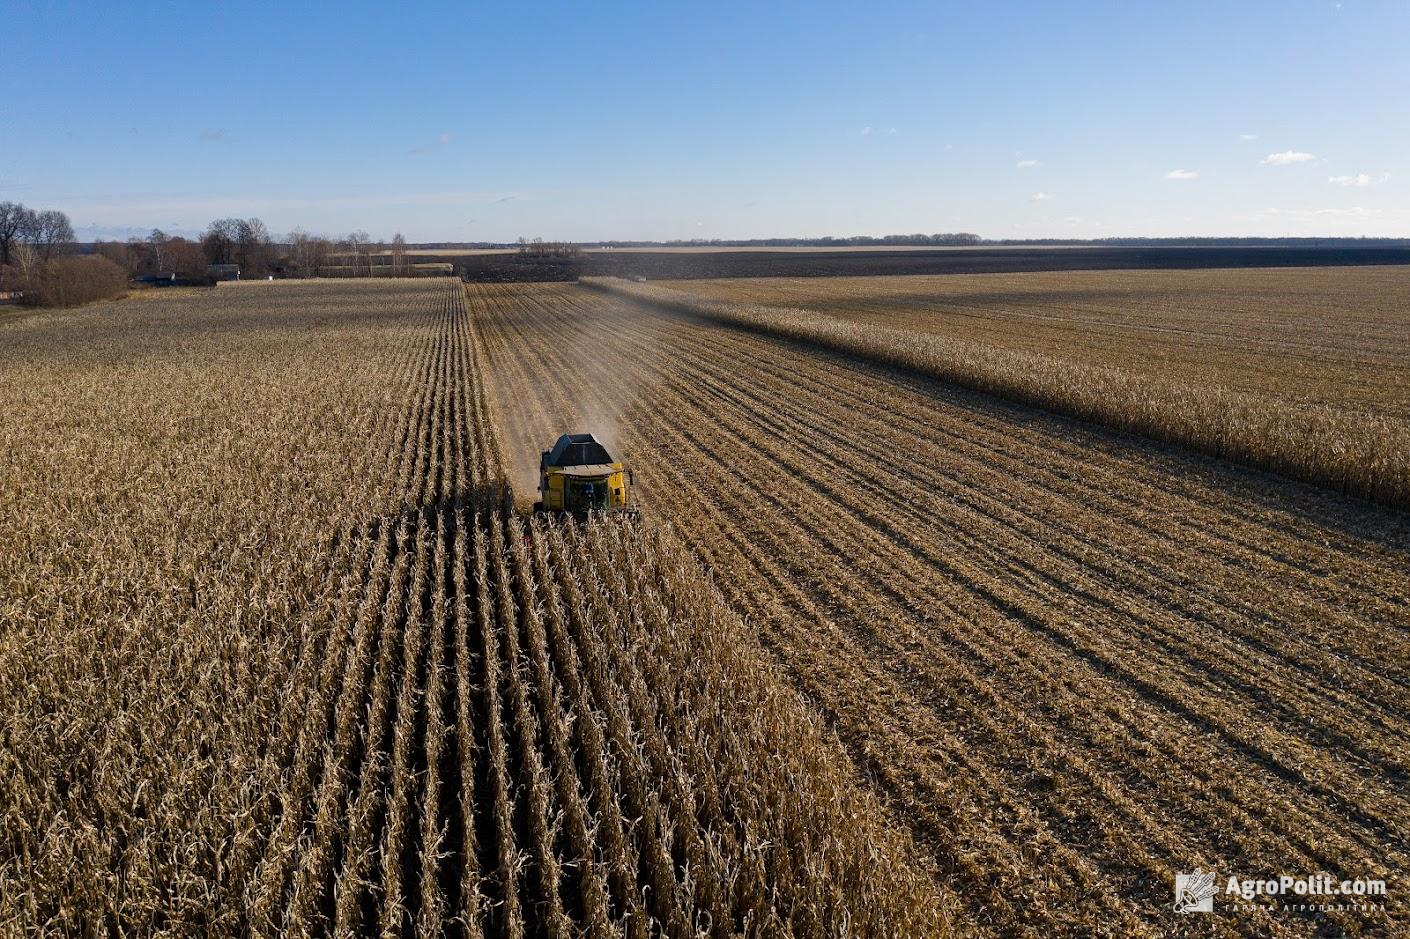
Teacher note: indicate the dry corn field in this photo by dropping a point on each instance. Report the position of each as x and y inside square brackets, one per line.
[1337, 336]
[1068, 661]
[1308, 377]
[278, 658]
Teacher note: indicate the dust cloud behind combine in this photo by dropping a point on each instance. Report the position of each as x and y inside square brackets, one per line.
[604, 409]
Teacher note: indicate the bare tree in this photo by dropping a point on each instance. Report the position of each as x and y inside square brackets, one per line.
[16, 222]
[220, 240]
[398, 255]
[309, 252]
[49, 233]
[183, 257]
[158, 239]
[358, 244]
[251, 246]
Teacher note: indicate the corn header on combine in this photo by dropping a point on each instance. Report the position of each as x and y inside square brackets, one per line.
[578, 476]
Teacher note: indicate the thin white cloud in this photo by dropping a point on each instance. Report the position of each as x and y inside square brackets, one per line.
[1027, 164]
[1181, 174]
[1041, 197]
[1287, 158]
[1352, 214]
[1248, 136]
[440, 141]
[866, 131]
[1360, 179]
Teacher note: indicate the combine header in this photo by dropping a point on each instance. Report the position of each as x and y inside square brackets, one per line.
[579, 476]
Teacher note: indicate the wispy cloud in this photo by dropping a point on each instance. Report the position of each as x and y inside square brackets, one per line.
[440, 141]
[1287, 158]
[1360, 179]
[1248, 136]
[1041, 197]
[502, 199]
[214, 133]
[1182, 174]
[866, 131]
[1027, 164]
[1353, 214]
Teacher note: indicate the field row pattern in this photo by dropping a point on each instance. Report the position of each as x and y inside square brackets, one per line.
[1071, 666]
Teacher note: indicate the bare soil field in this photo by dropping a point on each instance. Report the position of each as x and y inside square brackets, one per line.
[1334, 336]
[1069, 662]
[277, 658]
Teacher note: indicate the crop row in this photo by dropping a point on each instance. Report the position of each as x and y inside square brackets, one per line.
[279, 659]
[1063, 660]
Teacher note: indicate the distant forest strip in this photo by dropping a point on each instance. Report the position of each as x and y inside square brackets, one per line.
[1361, 455]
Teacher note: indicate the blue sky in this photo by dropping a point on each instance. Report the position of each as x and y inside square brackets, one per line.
[598, 120]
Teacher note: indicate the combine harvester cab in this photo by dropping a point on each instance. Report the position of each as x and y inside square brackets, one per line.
[579, 477]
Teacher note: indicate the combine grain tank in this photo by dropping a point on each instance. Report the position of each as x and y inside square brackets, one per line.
[578, 476]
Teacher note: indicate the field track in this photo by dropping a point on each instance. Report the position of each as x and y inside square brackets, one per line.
[1070, 663]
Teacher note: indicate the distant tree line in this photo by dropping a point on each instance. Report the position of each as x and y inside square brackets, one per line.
[156, 255]
[538, 248]
[247, 243]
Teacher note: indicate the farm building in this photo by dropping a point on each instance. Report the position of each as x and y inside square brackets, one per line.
[223, 271]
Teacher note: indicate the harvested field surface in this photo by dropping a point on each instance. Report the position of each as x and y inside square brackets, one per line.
[1338, 337]
[852, 262]
[276, 658]
[1361, 453]
[1070, 663]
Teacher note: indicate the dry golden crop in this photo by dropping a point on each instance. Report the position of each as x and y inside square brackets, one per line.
[1069, 663]
[278, 658]
[1334, 336]
[1364, 453]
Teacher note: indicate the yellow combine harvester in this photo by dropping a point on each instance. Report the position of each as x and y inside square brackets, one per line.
[579, 476]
